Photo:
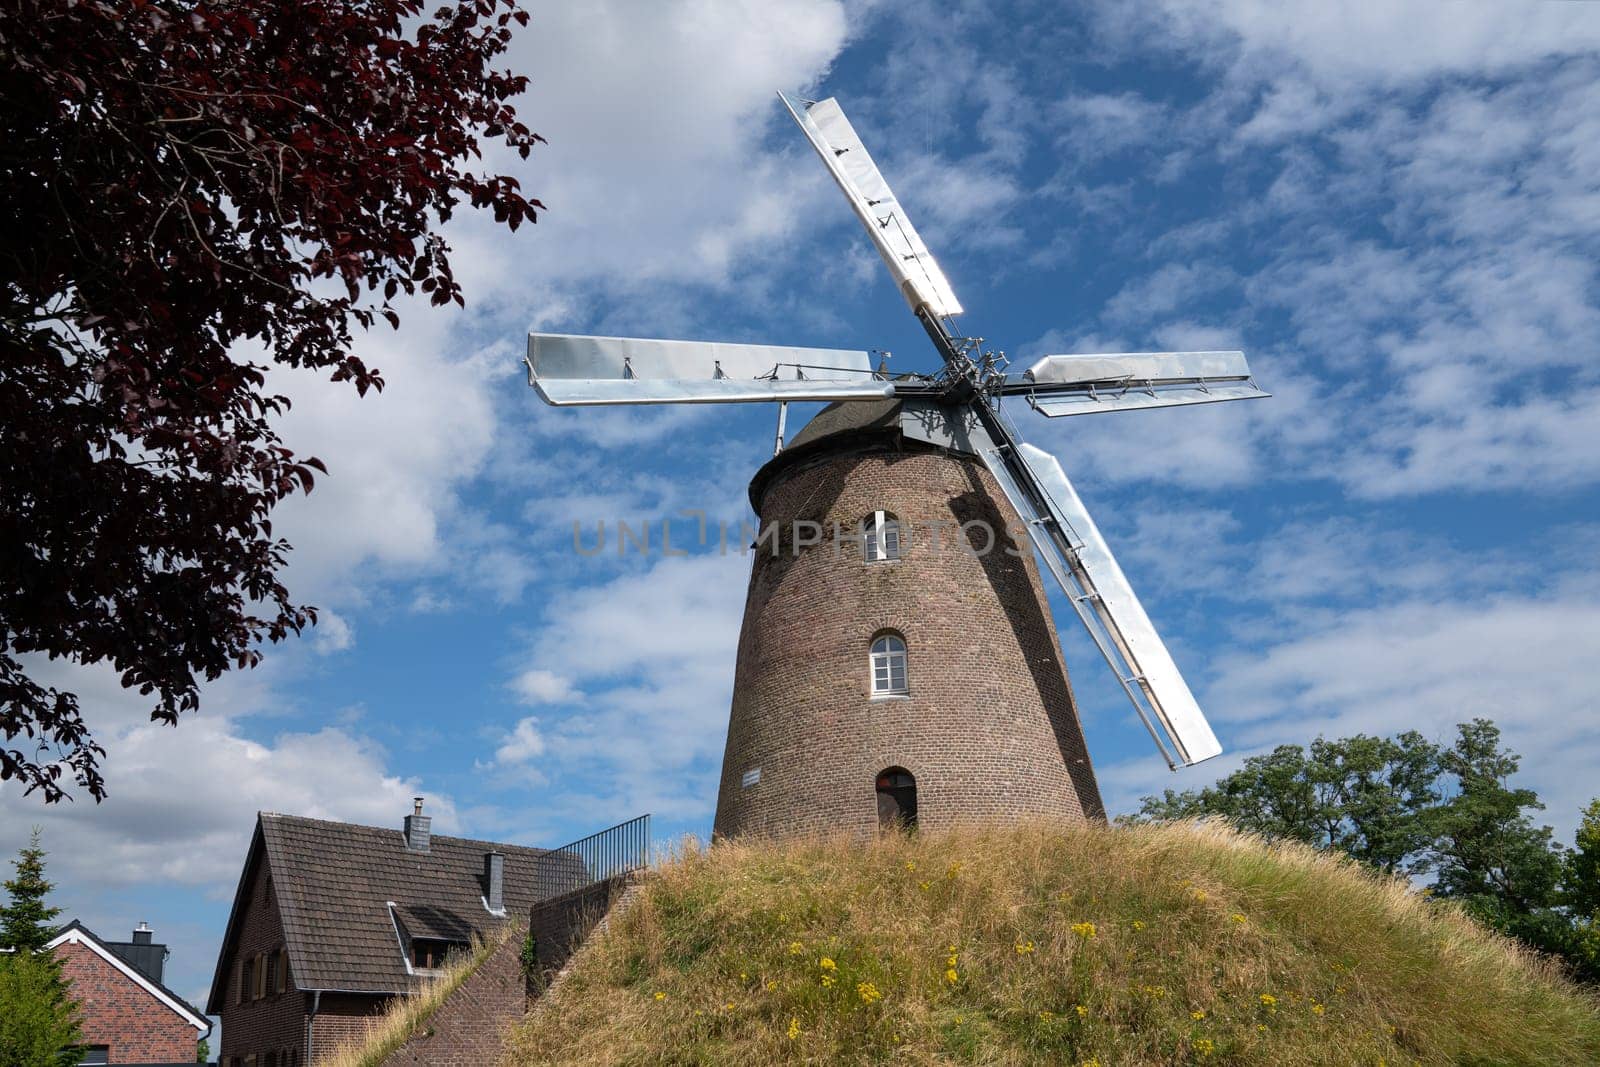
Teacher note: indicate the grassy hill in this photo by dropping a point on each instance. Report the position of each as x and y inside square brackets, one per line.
[1097, 945]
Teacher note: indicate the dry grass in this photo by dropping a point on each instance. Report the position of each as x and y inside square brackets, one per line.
[1186, 943]
[406, 1015]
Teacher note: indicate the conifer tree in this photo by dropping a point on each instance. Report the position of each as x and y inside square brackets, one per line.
[25, 920]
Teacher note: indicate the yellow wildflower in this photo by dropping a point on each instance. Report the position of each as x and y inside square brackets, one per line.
[1203, 1046]
[924, 886]
[772, 983]
[868, 993]
[827, 981]
[1024, 947]
[951, 976]
[1199, 894]
[1261, 1028]
[660, 995]
[1138, 924]
[827, 964]
[698, 1012]
[960, 1019]
[1269, 1002]
[1197, 1015]
[1083, 1012]
[1046, 1016]
[1155, 991]
[1240, 919]
[743, 977]
[795, 948]
[1084, 930]
[911, 865]
[1317, 1009]
[1338, 990]
[955, 869]
[794, 1029]
[728, 1006]
[1090, 1062]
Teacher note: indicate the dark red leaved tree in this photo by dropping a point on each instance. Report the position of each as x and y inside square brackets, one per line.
[180, 182]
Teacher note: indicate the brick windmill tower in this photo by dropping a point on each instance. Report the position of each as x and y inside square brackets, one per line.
[908, 672]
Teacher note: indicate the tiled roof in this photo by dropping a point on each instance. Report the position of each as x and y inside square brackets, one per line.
[332, 883]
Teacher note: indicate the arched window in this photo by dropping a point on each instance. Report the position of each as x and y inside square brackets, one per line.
[889, 665]
[880, 537]
[897, 799]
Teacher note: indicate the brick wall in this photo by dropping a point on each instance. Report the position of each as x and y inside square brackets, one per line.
[342, 1017]
[989, 729]
[562, 923]
[276, 1022]
[469, 1028]
[118, 1013]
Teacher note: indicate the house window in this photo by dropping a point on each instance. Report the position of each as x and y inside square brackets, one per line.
[429, 954]
[247, 981]
[897, 799]
[889, 665]
[271, 984]
[880, 537]
[283, 970]
[95, 1054]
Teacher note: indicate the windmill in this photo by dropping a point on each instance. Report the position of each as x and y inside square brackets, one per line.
[959, 406]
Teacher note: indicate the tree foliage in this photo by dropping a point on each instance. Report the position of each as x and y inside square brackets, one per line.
[193, 189]
[38, 1021]
[38, 1017]
[1362, 795]
[1410, 807]
[26, 921]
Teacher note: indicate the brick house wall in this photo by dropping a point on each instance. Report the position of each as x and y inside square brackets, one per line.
[275, 1023]
[469, 1029]
[989, 729]
[121, 1015]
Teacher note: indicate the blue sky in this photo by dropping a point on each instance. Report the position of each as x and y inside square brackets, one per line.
[1394, 211]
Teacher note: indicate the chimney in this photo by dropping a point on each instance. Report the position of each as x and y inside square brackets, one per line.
[417, 828]
[494, 882]
[141, 934]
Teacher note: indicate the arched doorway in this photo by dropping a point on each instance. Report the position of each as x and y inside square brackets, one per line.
[897, 799]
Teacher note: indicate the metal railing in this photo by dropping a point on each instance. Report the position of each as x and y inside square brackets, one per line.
[600, 857]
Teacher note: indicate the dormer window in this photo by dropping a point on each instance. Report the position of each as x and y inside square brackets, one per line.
[888, 662]
[880, 537]
[428, 954]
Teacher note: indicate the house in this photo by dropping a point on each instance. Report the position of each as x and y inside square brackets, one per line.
[127, 1015]
[333, 920]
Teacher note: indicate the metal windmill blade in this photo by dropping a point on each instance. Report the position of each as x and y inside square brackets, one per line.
[1067, 538]
[960, 402]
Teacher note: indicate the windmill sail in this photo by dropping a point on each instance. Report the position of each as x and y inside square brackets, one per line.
[913, 267]
[1078, 557]
[1084, 384]
[575, 370]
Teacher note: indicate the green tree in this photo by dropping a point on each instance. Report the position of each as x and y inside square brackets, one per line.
[1581, 891]
[1366, 796]
[202, 1051]
[1583, 864]
[25, 922]
[38, 1017]
[38, 1021]
[1486, 851]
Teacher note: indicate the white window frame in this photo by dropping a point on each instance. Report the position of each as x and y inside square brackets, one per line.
[881, 667]
[878, 530]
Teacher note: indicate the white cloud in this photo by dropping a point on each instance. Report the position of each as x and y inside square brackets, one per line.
[539, 686]
[653, 651]
[1382, 44]
[522, 744]
[333, 633]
